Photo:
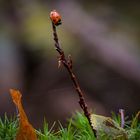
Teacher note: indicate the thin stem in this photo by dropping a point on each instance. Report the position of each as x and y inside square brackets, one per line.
[121, 111]
[68, 65]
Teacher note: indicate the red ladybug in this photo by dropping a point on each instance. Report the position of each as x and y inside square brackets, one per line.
[55, 17]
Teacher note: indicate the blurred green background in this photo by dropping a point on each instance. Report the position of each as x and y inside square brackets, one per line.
[103, 39]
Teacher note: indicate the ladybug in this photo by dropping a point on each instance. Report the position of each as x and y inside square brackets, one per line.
[55, 17]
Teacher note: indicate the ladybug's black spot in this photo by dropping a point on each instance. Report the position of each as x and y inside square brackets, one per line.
[58, 23]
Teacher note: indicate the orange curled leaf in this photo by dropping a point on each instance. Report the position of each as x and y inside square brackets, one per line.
[26, 131]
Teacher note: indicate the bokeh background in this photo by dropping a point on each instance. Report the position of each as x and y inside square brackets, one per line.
[101, 35]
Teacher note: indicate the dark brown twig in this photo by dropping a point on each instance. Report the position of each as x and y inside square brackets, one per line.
[68, 65]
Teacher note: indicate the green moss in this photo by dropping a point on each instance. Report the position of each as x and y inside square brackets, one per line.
[78, 128]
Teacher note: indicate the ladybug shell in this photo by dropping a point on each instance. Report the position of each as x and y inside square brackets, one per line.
[55, 17]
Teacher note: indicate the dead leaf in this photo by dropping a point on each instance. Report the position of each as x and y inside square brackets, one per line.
[26, 131]
[108, 125]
